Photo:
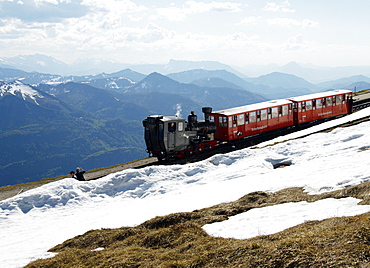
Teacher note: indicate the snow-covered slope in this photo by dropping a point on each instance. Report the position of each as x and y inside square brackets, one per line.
[38, 219]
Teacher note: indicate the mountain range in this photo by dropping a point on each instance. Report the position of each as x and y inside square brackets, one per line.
[52, 123]
[46, 64]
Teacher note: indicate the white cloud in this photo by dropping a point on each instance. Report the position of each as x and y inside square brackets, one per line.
[287, 22]
[274, 7]
[295, 42]
[42, 2]
[42, 10]
[174, 13]
[250, 20]
[201, 7]
[310, 24]
[122, 6]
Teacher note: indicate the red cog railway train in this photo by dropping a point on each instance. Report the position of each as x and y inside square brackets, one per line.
[170, 137]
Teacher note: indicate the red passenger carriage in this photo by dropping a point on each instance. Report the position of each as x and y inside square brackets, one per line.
[253, 119]
[323, 105]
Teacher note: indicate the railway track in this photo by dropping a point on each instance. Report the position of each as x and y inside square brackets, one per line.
[361, 100]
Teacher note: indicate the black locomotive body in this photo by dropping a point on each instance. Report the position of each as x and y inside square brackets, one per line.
[169, 137]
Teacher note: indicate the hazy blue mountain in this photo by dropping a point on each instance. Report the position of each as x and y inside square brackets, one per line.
[166, 103]
[96, 101]
[358, 86]
[129, 74]
[93, 66]
[4, 63]
[9, 75]
[119, 79]
[119, 84]
[344, 83]
[309, 72]
[175, 66]
[42, 136]
[277, 79]
[280, 85]
[215, 97]
[214, 82]
[312, 74]
[198, 74]
[37, 63]
[46, 64]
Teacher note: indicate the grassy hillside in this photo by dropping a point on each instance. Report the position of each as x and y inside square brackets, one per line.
[177, 240]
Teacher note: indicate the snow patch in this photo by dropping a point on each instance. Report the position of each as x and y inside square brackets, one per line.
[258, 221]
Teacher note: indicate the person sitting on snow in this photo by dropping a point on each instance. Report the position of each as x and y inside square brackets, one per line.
[80, 174]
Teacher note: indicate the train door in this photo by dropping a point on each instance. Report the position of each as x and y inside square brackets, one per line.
[295, 113]
[171, 135]
[222, 132]
[232, 127]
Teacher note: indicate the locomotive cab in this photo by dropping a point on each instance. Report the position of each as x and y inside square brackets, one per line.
[168, 137]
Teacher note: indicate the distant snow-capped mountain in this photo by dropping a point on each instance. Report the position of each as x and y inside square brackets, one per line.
[21, 90]
[36, 63]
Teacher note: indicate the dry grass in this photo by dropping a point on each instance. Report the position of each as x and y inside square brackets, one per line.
[177, 240]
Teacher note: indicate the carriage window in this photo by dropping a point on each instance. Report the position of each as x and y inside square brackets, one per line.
[319, 103]
[252, 117]
[314, 104]
[334, 99]
[323, 102]
[258, 115]
[263, 114]
[343, 98]
[280, 110]
[338, 100]
[308, 105]
[290, 108]
[247, 118]
[328, 101]
[303, 105]
[269, 113]
[223, 121]
[275, 112]
[181, 126]
[234, 120]
[286, 110]
[240, 119]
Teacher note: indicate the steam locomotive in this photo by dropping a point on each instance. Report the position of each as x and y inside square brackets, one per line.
[171, 137]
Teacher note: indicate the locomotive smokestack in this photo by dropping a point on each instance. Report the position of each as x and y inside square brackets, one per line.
[206, 111]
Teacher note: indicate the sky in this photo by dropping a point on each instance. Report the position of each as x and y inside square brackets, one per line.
[39, 219]
[238, 33]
